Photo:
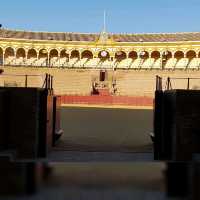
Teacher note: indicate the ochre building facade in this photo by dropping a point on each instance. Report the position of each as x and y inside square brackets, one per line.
[126, 64]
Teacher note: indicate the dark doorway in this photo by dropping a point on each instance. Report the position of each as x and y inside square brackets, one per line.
[102, 76]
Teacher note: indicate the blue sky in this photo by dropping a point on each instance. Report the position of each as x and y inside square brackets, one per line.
[123, 16]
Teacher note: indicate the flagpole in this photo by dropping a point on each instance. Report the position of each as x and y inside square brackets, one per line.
[104, 24]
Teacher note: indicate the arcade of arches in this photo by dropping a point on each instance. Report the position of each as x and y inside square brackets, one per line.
[127, 72]
[120, 59]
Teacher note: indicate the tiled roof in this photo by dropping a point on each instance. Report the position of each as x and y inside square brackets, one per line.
[87, 37]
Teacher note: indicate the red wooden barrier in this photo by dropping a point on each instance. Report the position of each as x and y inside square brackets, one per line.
[107, 100]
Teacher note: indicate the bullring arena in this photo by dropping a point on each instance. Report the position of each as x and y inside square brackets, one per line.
[83, 65]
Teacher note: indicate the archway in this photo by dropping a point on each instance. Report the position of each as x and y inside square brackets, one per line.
[179, 55]
[75, 54]
[53, 53]
[9, 52]
[120, 55]
[87, 54]
[20, 56]
[191, 54]
[43, 58]
[43, 53]
[133, 55]
[32, 53]
[53, 57]
[155, 54]
[64, 58]
[9, 56]
[31, 56]
[64, 54]
[144, 55]
[21, 53]
[166, 55]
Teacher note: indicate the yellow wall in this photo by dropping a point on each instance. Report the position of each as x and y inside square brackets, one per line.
[72, 81]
